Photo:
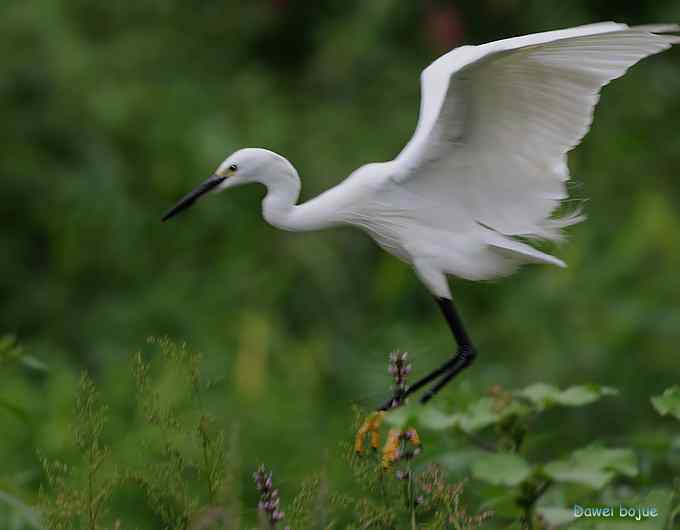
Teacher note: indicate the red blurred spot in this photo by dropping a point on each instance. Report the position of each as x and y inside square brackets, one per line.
[443, 26]
[280, 4]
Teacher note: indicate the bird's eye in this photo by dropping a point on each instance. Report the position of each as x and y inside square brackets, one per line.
[233, 168]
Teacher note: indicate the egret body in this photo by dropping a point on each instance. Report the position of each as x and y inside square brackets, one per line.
[487, 163]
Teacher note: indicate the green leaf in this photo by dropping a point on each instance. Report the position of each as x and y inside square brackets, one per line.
[540, 394]
[577, 396]
[620, 460]
[22, 510]
[18, 411]
[501, 501]
[668, 403]
[564, 471]
[10, 351]
[35, 364]
[403, 416]
[544, 396]
[461, 460]
[555, 515]
[436, 420]
[675, 443]
[506, 469]
[593, 466]
[477, 416]
[483, 413]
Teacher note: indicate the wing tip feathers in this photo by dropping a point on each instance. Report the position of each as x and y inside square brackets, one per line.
[657, 28]
[660, 30]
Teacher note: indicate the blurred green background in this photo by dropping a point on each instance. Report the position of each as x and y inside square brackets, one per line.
[112, 110]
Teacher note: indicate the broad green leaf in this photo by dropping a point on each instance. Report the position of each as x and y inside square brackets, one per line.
[483, 413]
[593, 466]
[675, 443]
[478, 415]
[543, 395]
[23, 512]
[35, 364]
[620, 460]
[668, 403]
[540, 394]
[556, 516]
[565, 471]
[10, 351]
[506, 469]
[577, 396]
[436, 420]
[403, 416]
[15, 409]
[459, 461]
[502, 501]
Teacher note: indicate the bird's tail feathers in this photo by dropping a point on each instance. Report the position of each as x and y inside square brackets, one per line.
[520, 252]
[552, 229]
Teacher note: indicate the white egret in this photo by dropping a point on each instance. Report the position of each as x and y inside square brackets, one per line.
[487, 163]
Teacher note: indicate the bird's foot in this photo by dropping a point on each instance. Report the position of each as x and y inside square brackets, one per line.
[463, 358]
[397, 400]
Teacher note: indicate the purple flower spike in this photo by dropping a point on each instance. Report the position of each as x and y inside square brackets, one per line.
[398, 368]
[269, 497]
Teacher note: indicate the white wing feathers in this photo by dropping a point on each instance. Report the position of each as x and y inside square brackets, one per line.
[496, 121]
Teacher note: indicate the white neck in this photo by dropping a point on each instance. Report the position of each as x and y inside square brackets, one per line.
[279, 208]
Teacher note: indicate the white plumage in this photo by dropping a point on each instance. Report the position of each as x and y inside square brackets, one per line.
[486, 164]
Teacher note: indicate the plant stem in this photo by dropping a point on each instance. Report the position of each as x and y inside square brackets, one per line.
[674, 513]
[528, 503]
[411, 498]
[206, 462]
[482, 444]
[90, 488]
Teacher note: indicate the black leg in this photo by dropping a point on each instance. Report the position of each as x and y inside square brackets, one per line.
[465, 355]
[455, 323]
[462, 360]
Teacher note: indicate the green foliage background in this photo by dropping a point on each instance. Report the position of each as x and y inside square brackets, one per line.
[113, 110]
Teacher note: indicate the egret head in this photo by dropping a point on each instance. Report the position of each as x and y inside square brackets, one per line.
[242, 167]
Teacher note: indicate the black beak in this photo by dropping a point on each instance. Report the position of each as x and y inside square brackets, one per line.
[191, 197]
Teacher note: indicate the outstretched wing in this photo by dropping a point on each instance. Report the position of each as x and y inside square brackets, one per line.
[496, 121]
